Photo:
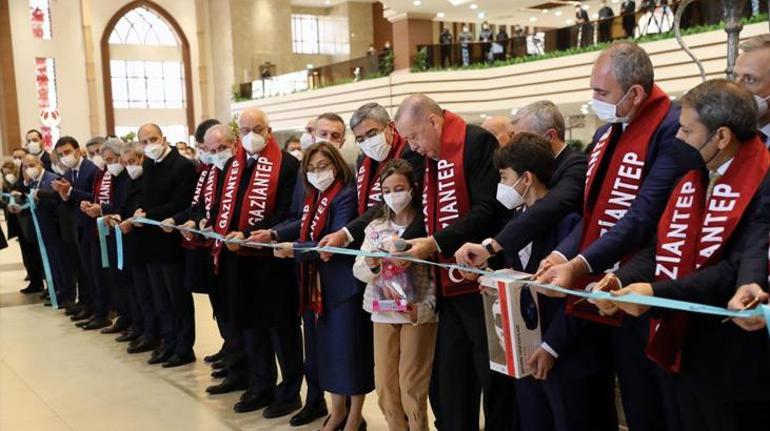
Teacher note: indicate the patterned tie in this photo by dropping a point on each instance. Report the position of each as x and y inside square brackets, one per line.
[250, 162]
[713, 178]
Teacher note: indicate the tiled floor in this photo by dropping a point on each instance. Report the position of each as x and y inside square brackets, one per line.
[54, 376]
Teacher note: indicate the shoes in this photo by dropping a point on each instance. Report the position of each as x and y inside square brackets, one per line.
[159, 357]
[216, 357]
[276, 410]
[142, 345]
[228, 385]
[340, 426]
[47, 303]
[43, 295]
[308, 414]
[72, 309]
[220, 373]
[31, 289]
[83, 323]
[97, 324]
[176, 360]
[120, 325]
[251, 401]
[83, 314]
[131, 334]
[219, 364]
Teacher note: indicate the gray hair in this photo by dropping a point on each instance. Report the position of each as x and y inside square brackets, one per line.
[132, 147]
[224, 130]
[96, 140]
[542, 116]
[418, 105]
[631, 65]
[113, 144]
[372, 111]
[723, 103]
[756, 43]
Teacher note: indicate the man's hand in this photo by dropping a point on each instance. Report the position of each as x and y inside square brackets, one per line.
[541, 363]
[551, 260]
[93, 210]
[234, 235]
[335, 239]
[189, 224]
[471, 254]
[113, 220]
[169, 225]
[563, 275]
[139, 213]
[411, 312]
[203, 224]
[421, 248]
[608, 283]
[14, 208]
[63, 187]
[125, 226]
[745, 296]
[84, 205]
[262, 236]
[644, 289]
[284, 250]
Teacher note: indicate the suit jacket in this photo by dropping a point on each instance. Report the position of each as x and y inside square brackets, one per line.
[47, 207]
[565, 197]
[82, 190]
[132, 241]
[668, 158]
[120, 189]
[45, 159]
[169, 185]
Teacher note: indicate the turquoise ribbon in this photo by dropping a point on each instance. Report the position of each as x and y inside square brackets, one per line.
[119, 247]
[43, 254]
[651, 301]
[103, 230]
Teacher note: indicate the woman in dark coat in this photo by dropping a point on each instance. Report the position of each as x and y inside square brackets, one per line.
[343, 329]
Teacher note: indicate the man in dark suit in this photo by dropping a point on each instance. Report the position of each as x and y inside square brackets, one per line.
[628, 11]
[632, 168]
[75, 187]
[723, 372]
[169, 181]
[458, 189]
[34, 145]
[605, 24]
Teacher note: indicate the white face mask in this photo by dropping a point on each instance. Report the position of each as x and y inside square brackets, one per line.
[99, 161]
[376, 147]
[608, 112]
[253, 143]
[297, 154]
[114, 169]
[153, 151]
[321, 180]
[761, 105]
[69, 161]
[397, 201]
[134, 171]
[306, 140]
[219, 159]
[509, 197]
[10, 178]
[17, 162]
[206, 158]
[32, 173]
[34, 147]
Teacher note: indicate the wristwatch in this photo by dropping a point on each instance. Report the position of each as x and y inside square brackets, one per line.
[487, 244]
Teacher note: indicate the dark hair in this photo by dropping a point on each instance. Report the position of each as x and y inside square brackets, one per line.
[35, 131]
[292, 138]
[723, 103]
[527, 153]
[200, 131]
[96, 140]
[64, 140]
[399, 167]
[331, 116]
[332, 153]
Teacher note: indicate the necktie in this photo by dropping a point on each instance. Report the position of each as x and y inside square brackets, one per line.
[74, 175]
[713, 178]
[763, 138]
[250, 163]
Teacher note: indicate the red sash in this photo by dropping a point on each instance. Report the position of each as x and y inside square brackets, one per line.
[310, 230]
[205, 187]
[365, 181]
[692, 234]
[259, 199]
[618, 189]
[445, 195]
[104, 189]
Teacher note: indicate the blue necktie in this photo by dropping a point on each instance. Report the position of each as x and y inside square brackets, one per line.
[74, 175]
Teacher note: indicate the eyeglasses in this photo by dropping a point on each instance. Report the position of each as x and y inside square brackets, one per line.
[256, 129]
[318, 168]
[369, 134]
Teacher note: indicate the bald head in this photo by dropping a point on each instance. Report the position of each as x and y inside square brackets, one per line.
[150, 133]
[253, 119]
[501, 127]
[418, 105]
[420, 120]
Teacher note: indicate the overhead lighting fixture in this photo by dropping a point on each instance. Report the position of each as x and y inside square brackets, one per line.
[416, 2]
[595, 16]
[309, 66]
[327, 2]
[440, 15]
[514, 111]
[481, 15]
[483, 115]
[474, 6]
[569, 22]
[557, 13]
[532, 19]
[544, 11]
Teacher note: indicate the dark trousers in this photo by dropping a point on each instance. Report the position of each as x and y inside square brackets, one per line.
[60, 263]
[141, 292]
[314, 393]
[233, 350]
[86, 245]
[173, 306]
[463, 370]
[559, 403]
[30, 256]
[262, 347]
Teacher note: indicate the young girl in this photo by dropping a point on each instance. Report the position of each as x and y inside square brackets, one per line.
[404, 338]
[343, 332]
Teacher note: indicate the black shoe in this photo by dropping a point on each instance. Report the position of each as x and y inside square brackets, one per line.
[220, 373]
[83, 323]
[83, 314]
[43, 295]
[309, 414]
[72, 310]
[339, 427]
[218, 364]
[132, 334]
[31, 289]
[251, 401]
[361, 426]
[142, 345]
[120, 325]
[159, 357]
[216, 357]
[47, 303]
[176, 360]
[228, 385]
[276, 410]
[97, 324]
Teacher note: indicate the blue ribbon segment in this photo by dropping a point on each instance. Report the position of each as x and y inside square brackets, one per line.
[103, 230]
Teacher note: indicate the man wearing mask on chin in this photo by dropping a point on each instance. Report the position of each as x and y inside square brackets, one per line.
[753, 73]
[33, 143]
[634, 163]
[459, 203]
[169, 182]
[260, 290]
[76, 187]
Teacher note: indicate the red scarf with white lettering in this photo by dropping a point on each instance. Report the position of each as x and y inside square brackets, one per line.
[692, 234]
[205, 187]
[609, 201]
[104, 189]
[445, 195]
[367, 182]
[259, 199]
[311, 228]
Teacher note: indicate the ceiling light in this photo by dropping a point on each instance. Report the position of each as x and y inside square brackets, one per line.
[595, 16]
[483, 115]
[440, 15]
[514, 111]
[309, 66]
[544, 11]
[557, 13]
[327, 2]
[416, 2]
[480, 15]
[474, 6]
[587, 6]
[569, 22]
[532, 19]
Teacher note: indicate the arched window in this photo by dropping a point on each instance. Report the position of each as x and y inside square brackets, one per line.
[146, 69]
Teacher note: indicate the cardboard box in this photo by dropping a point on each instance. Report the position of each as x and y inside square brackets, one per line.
[512, 321]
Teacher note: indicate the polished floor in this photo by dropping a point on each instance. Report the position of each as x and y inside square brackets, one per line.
[54, 376]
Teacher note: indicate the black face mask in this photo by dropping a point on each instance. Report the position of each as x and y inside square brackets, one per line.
[706, 162]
